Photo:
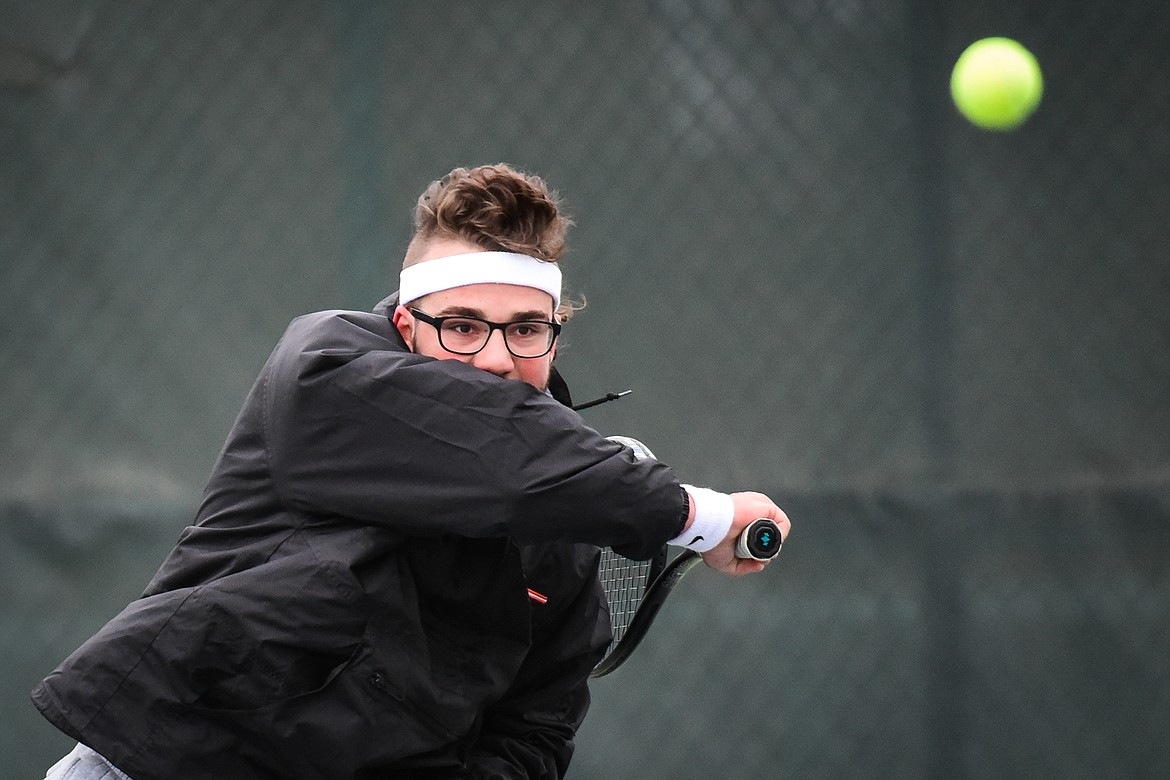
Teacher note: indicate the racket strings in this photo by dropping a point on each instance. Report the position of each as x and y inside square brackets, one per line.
[624, 582]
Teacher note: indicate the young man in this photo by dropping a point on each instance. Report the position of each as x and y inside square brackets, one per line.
[353, 599]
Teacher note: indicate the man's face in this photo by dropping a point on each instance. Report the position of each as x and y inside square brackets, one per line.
[492, 302]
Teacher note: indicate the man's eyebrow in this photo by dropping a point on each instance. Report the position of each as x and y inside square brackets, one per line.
[534, 314]
[460, 311]
[467, 311]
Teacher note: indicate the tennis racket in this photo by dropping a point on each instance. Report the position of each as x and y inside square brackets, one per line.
[636, 590]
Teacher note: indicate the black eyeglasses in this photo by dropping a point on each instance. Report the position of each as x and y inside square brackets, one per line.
[469, 335]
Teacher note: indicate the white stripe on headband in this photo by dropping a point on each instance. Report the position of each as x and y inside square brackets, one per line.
[443, 273]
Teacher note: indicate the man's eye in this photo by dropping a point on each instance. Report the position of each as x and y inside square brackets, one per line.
[463, 327]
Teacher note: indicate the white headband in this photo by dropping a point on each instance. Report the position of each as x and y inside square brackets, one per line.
[443, 273]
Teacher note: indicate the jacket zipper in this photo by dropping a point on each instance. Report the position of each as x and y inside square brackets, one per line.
[384, 684]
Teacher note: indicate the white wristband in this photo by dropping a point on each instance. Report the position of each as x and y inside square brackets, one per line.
[714, 512]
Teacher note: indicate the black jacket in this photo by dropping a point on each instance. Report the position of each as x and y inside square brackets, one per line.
[353, 600]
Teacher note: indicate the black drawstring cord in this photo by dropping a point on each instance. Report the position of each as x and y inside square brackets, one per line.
[603, 399]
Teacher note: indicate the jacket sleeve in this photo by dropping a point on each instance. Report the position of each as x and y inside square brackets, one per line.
[530, 732]
[358, 426]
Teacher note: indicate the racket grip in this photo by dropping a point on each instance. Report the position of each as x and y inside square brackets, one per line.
[760, 541]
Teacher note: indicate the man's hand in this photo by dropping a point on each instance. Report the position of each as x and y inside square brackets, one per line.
[748, 507]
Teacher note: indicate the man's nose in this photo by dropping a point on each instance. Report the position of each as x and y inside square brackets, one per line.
[494, 357]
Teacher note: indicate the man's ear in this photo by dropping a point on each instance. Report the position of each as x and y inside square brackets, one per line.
[405, 325]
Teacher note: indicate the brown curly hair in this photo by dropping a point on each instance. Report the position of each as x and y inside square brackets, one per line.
[495, 207]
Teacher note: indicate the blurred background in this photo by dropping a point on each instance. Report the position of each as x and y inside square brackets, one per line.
[945, 351]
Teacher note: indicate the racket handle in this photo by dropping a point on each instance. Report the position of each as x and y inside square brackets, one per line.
[760, 541]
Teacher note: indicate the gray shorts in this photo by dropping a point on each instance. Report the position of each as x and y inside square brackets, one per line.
[84, 764]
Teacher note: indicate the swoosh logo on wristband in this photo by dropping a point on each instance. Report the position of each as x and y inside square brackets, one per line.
[698, 538]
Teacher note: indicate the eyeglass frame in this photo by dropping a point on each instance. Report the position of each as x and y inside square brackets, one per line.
[437, 324]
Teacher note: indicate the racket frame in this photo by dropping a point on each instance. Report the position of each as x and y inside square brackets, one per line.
[660, 587]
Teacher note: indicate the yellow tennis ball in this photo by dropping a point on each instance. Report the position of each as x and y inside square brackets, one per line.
[996, 83]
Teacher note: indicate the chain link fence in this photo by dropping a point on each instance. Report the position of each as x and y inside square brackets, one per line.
[945, 351]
